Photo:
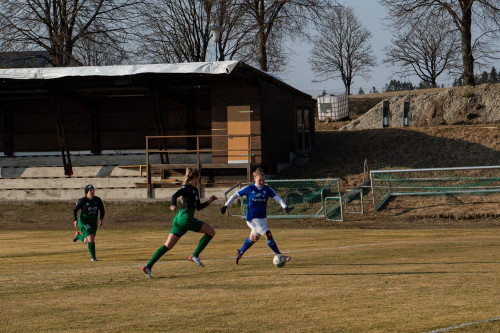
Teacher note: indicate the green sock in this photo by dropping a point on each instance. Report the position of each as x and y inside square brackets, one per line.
[91, 247]
[161, 251]
[81, 238]
[202, 244]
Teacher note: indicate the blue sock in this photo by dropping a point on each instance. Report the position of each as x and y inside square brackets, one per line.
[273, 246]
[248, 243]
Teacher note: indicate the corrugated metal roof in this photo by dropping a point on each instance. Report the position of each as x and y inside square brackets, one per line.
[219, 67]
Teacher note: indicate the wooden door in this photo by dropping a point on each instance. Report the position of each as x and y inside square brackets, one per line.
[238, 123]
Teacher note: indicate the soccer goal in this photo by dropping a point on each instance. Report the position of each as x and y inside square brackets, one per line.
[433, 181]
[307, 196]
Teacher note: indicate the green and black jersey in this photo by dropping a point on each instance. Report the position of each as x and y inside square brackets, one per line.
[185, 220]
[90, 209]
[190, 198]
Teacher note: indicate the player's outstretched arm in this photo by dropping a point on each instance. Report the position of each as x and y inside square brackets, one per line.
[229, 201]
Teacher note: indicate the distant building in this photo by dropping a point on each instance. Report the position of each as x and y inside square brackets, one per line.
[94, 109]
[25, 59]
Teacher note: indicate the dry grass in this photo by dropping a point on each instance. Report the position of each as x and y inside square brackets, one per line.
[420, 264]
[338, 280]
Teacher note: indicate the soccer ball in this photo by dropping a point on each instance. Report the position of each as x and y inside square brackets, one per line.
[279, 260]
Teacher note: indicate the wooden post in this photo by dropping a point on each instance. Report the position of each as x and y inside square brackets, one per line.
[8, 146]
[95, 140]
[148, 171]
[61, 135]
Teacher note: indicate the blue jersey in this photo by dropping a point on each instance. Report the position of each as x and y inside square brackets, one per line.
[257, 200]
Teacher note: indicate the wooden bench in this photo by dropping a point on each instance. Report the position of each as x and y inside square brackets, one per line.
[203, 166]
[141, 167]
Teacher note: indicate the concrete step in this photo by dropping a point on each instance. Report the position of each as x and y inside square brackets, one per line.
[78, 160]
[41, 178]
[84, 171]
[106, 194]
[69, 183]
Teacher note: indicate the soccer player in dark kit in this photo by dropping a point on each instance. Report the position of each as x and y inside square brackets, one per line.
[91, 206]
[185, 221]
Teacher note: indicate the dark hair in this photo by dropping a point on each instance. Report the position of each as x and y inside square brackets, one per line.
[88, 187]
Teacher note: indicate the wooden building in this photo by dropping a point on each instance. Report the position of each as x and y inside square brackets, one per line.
[98, 110]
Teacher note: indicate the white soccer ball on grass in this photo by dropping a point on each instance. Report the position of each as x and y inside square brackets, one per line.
[279, 260]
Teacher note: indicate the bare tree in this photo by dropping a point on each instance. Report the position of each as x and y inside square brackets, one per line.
[484, 14]
[342, 49]
[176, 30]
[180, 30]
[236, 37]
[58, 26]
[425, 50]
[98, 50]
[274, 19]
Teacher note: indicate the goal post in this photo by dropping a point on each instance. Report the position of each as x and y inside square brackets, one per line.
[307, 196]
[433, 181]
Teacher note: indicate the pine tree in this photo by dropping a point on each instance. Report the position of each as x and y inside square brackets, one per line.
[494, 77]
[484, 78]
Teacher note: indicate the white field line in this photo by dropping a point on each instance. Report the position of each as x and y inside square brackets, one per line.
[447, 329]
[17, 274]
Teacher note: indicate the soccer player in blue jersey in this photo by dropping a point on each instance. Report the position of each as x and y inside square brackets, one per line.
[257, 195]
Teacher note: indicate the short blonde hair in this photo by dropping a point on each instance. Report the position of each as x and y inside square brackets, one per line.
[258, 172]
[190, 174]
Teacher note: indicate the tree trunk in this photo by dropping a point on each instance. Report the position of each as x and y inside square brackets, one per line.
[261, 36]
[467, 57]
[261, 40]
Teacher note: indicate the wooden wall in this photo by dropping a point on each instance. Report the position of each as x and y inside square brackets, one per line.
[233, 91]
[98, 115]
[279, 123]
[118, 123]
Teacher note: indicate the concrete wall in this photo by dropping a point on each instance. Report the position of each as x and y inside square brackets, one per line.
[33, 179]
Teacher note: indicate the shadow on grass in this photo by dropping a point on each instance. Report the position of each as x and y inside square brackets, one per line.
[339, 154]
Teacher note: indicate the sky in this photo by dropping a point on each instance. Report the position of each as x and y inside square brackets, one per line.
[371, 15]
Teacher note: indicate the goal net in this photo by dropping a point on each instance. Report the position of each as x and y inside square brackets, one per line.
[433, 181]
[307, 196]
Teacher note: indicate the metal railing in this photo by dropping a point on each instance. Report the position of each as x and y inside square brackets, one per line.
[202, 147]
[433, 181]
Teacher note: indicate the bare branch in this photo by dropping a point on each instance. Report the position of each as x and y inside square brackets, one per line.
[342, 49]
[465, 14]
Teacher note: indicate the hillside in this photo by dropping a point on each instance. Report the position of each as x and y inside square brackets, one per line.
[341, 154]
[445, 106]
[449, 128]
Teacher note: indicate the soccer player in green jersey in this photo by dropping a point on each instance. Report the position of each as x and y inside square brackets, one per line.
[91, 206]
[185, 220]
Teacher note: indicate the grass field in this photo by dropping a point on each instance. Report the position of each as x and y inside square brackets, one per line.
[337, 281]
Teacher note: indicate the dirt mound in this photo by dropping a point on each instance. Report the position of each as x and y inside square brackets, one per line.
[452, 106]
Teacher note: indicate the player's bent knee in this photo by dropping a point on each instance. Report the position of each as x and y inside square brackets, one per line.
[269, 235]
